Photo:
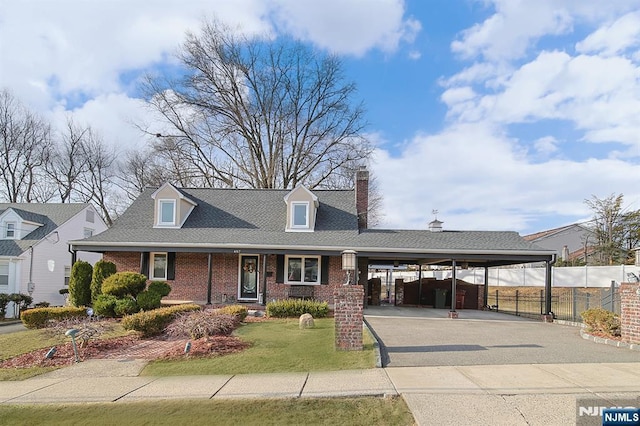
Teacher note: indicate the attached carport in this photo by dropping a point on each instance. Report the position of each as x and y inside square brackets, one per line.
[467, 249]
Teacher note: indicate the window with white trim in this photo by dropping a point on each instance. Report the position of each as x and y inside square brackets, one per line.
[300, 215]
[4, 273]
[158, 266]
[67, 275]
[89, 216]
[10, 230]
[167, 212]
[88, 232]
[302, 270]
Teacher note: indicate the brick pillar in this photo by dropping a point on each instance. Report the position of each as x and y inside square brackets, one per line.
[630, 312]
[348, 305]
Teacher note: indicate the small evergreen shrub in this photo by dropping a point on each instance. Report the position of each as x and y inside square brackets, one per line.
[199, 324]
[101, 270]
[123, 284]
[148, 300]
[105, 306]
[160, 287]
[238, 310]
[39, 317]
[4, 301]
[80, 283]
[125, 306]
[290, 308]
[599, 320]
[42, 305]
[152, 323]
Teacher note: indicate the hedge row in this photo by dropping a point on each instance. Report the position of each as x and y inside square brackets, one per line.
[238, 311]
[152, 323]
[601, 321]
[38, 317]
[295, 307]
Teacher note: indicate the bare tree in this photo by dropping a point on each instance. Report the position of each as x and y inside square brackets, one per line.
[25, 144]
[67, 162]
[260, 113]
[96, 184]
[617, 231]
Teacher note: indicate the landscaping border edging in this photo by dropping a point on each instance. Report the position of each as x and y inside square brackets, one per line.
[376, 343]
[610, 342]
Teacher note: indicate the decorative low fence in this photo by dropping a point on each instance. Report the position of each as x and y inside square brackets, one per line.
[566, 303]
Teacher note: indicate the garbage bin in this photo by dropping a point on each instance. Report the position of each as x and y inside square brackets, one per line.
[460, 299]
[440, 298]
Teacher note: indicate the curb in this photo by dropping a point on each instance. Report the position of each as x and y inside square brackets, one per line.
[376, 343]
[10, 322]
[610, 342]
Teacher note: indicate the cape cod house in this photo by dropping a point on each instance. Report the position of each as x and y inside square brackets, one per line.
[34, 251]
[256, 245]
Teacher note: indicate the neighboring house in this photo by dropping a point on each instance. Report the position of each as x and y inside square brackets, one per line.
[34, 251]
[575, 237]
[257, 245]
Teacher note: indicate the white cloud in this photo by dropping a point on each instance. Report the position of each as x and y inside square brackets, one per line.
[546, 145]
[477, 180]
[348, 27]
[517, 25]
[615, 38]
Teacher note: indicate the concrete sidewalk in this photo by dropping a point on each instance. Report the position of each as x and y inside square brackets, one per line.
[489, 394]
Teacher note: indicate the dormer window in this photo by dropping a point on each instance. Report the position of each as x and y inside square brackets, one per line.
[302, 209]
[300, 215]
[167, 212]
[10, 231]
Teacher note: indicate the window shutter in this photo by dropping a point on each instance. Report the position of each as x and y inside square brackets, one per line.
[324, 270]
[280, 268]
[144, 264]
[171, 266]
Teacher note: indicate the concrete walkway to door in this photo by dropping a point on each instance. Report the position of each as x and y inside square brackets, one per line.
[415, 337]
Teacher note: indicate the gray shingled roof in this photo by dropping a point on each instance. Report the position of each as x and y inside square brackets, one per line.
[51, 215]
[255, 219]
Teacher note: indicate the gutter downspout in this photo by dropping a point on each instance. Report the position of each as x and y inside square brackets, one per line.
[30, 285]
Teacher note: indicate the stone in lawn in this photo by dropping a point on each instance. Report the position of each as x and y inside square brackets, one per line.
[306, 321]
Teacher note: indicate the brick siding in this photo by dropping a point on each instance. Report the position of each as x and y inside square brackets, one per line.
[192, 276]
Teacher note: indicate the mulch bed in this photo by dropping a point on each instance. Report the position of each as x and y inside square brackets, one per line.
[125, 347]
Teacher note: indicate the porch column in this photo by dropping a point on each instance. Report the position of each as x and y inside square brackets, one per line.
[548, 315]
[362, 277]
[264, 279]
[209, 274]
[420, 285]
[452, 312]
[485, 296]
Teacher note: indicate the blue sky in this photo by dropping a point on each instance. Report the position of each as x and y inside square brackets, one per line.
[500, 114]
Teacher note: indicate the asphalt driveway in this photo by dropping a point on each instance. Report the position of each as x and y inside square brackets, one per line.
[414, 337]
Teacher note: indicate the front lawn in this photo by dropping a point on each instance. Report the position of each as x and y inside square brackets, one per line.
[343, 411]
[277, 345]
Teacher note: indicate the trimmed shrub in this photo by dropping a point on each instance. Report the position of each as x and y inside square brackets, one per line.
[101, 270]
[196, 325]
[80, 283]
[126, 306]
[22, 300]
[599, 320]
[290, 308]
[151, 323]
[148, 300]
[4, 301]
[42, 305]
[123, 284]
[160, 287]
[237, 310]
[39, 317]
[105, 306]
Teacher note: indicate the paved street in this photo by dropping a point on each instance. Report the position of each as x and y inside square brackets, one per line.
[425, 337]
[12, 328]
